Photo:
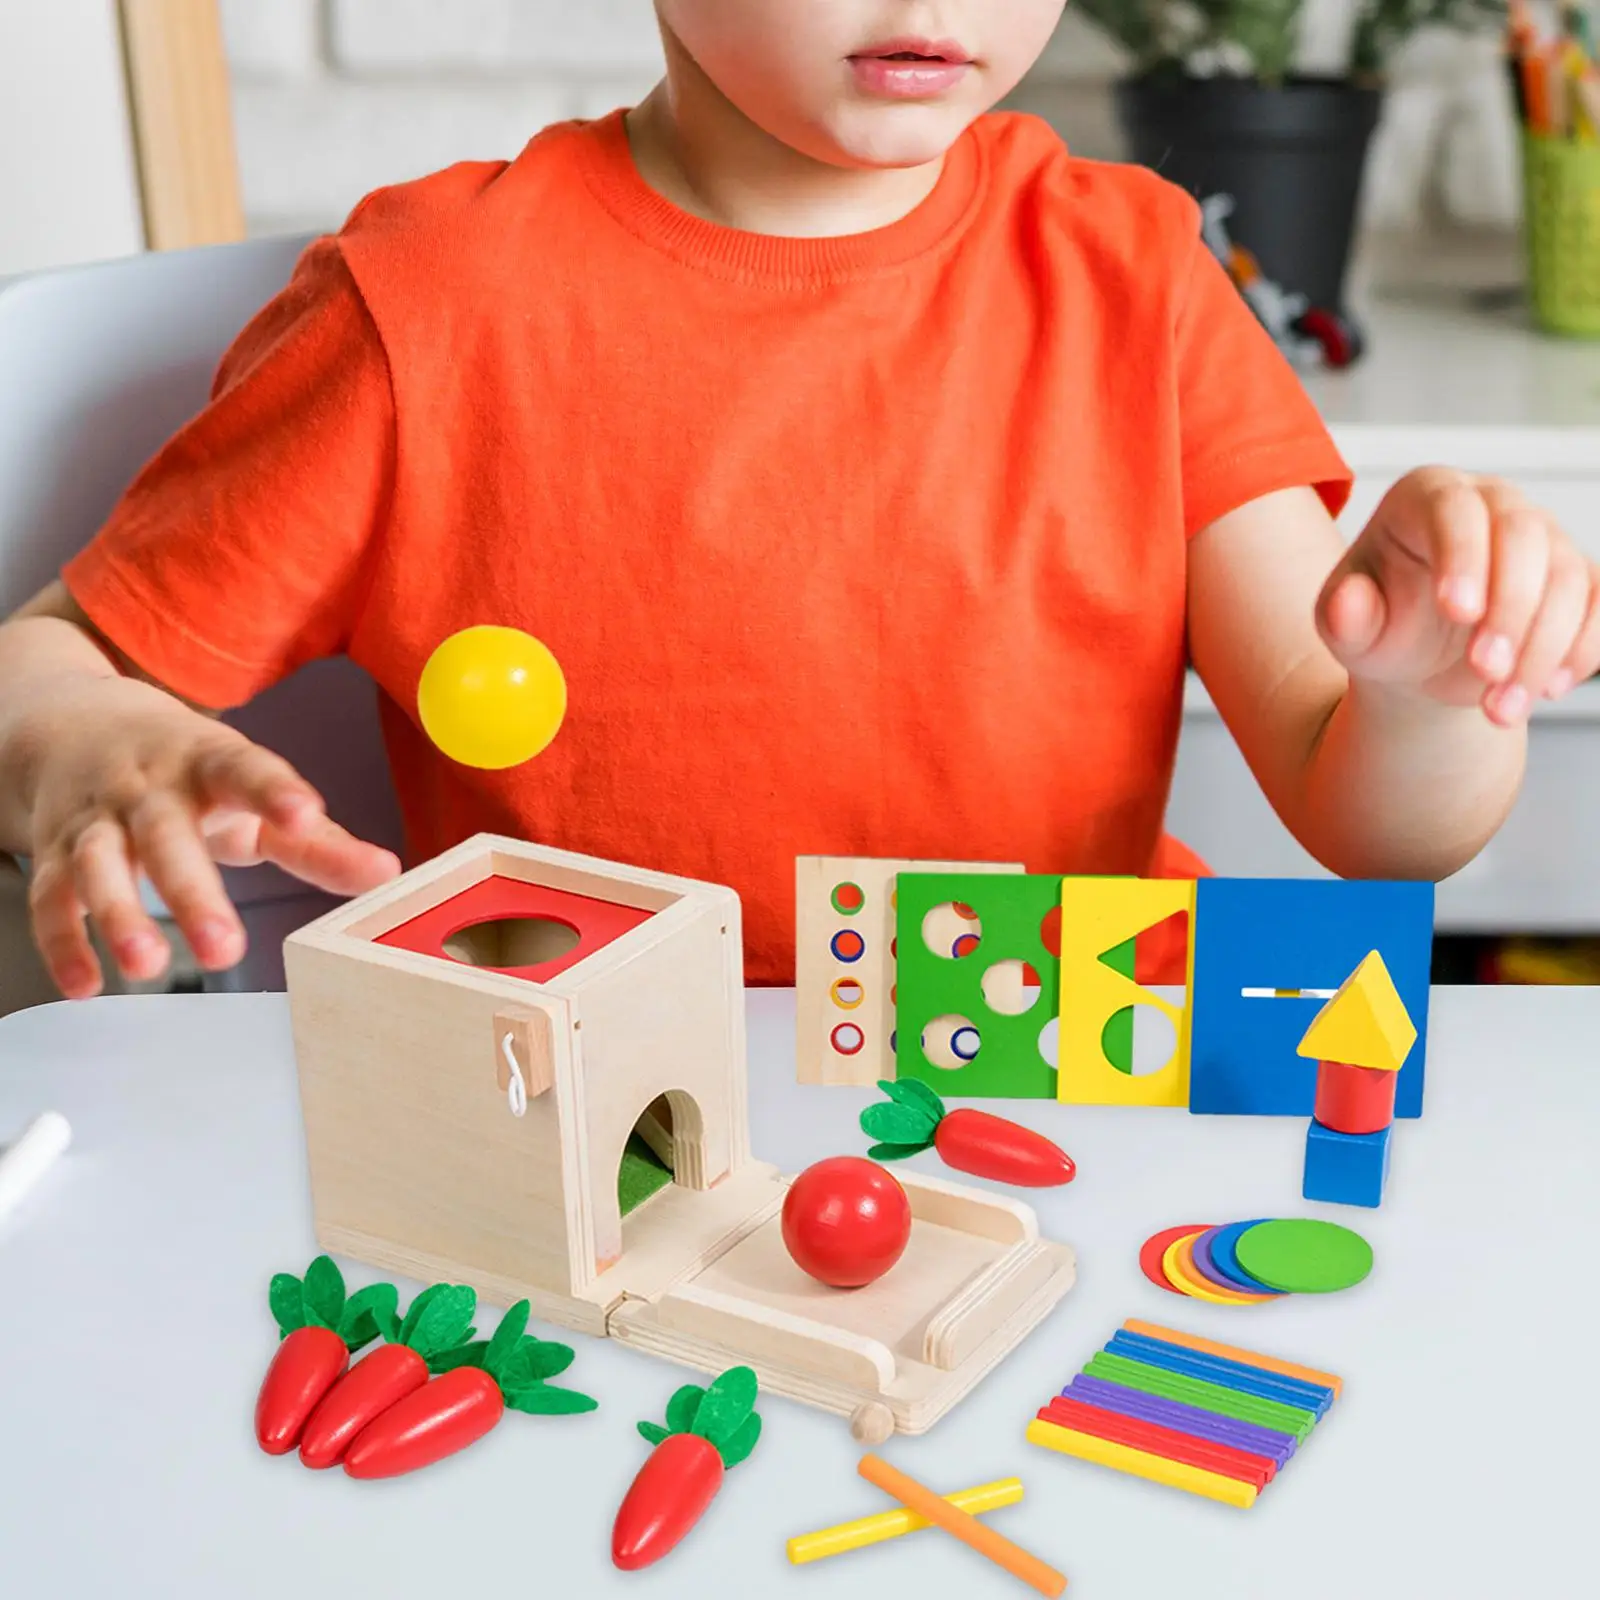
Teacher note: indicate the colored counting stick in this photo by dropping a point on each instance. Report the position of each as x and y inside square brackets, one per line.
[960, 1525]
[892, 1524]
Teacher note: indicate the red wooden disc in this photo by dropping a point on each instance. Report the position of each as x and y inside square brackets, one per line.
[1155, 1248]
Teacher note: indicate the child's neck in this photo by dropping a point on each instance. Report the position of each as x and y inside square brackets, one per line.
[696, 148]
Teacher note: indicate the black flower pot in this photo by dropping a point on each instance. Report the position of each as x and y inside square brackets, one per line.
[1291, 156]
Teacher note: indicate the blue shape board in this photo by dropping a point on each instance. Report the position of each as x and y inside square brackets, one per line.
[1346, 1169]
[1295, 933]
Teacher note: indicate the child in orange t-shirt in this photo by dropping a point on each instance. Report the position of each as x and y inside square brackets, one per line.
[874, 468]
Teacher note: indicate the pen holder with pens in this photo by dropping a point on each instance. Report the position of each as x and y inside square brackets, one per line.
[1561, 230]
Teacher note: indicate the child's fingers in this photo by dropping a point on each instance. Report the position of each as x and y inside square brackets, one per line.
[1460, 528]
[60, 932]
[1519, 569]
[1583, 660]
[168, 844]
[108, 888]
[250, 778]
[329, 857]
[1549, 640]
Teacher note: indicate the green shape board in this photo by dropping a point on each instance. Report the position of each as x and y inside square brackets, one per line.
[642, 1174]
[1011, 909]
[1300, 1255]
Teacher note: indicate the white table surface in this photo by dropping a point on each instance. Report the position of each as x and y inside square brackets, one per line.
[134, 1331]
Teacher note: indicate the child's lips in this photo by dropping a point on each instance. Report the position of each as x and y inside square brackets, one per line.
[911, 68]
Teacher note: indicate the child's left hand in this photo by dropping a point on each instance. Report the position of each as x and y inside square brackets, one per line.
[1460, 589]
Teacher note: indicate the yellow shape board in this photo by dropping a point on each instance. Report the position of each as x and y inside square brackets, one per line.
[1141, 1463]
[1097, 915]
[1365, 1024]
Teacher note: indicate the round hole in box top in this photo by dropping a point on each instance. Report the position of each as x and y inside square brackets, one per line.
[508, 943]
[1050, 932]
[952, 931]
[1011, 988]
[1050, 1042]
[847, 1039]
[1139, 1040]
[848, 994]
[951, 1043]
[848, 899]
[848, 946]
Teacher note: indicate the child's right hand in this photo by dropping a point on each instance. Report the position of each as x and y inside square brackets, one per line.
[126, 780]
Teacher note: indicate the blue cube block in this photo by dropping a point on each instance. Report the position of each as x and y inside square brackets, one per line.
[1346, 1169]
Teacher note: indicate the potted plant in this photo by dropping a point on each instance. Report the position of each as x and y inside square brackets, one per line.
[1214, 102]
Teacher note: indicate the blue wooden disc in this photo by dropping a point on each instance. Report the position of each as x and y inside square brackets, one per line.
[1226, 1261]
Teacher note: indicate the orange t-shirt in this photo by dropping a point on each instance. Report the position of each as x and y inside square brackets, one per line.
[857, 546]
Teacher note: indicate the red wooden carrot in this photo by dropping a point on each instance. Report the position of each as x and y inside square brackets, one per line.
[708, 1431]
[475, 1384]
[914, 1119]
[318, 1328]
[437, 1322]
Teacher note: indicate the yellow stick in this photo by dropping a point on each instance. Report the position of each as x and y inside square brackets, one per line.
[891, 1524]
[1123, 1458]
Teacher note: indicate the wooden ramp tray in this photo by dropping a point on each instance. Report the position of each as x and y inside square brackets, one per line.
[974, 1281]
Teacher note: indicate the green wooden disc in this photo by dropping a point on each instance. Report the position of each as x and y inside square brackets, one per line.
[1302, 1256]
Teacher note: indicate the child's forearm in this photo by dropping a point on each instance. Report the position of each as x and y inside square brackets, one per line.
[1399, 786]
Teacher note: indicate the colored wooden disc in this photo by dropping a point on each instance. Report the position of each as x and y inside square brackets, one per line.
[1303, 1256]
[1224, 1248]
[1206, 1265]
[1178, 1264]
[1155, 1249]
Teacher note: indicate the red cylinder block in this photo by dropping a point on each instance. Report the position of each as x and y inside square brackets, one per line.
[1354, 1099]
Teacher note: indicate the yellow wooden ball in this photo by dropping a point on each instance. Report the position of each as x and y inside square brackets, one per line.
[491, 697]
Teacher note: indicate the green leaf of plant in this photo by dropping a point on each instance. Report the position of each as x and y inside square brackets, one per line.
[895, 1152]
[324, 1292]
[728, 1402]
[683, 1407]
[507, 1336]
[418, 1306]
[654, 1433]
[287, 1299]
[461, 1355]
[365, 1313]
[894, 1124]
[444, 1321]
[548, 1360]
[743, 1441]
[544, 1400]
[915, 1096]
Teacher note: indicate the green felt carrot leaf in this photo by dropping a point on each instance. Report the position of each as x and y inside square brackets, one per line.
[654, 1433]
[287, 1300]
[324, 1293]
[742, 1442]
[367, 1313]
[418, 1307]
[461, 1355]
[545, 1400]
[445, 1321]
[508, 1335]
[895, 1152]
[906, 1123]
[683, 1407]
[728, 1405]
[916, 1095]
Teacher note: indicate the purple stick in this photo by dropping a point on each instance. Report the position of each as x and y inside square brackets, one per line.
[1186, 1419]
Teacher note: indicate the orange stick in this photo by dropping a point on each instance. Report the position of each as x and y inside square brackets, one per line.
[1210, 1347]
[960, 1525]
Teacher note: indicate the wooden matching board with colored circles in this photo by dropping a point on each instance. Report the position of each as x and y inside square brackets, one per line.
[1253, 1263]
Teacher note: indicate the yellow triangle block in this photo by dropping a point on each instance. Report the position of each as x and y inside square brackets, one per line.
[1365, 1024]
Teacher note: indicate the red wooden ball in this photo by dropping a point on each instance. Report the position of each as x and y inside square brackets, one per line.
[846, 1221]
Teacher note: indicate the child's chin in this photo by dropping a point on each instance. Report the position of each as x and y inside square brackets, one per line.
[910, 135]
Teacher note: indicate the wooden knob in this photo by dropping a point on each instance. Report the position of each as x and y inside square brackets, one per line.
[872, 1423]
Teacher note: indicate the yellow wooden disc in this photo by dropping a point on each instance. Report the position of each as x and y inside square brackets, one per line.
[1178, 1264]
